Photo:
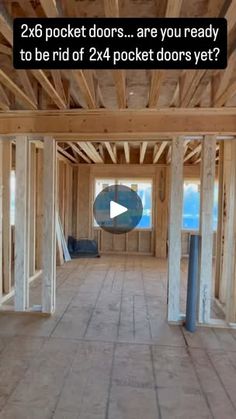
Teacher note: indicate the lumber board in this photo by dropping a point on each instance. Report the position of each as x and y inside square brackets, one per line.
[206, 228]
[124, 124]
[175, 226]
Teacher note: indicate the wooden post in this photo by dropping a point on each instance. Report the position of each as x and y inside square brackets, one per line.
[39, 207]
[49, 226]
[32, 207]
[220, 235]
[162, 197]
[206, 227]
[228, 212]
[21, 226]
[7, 167]
[1, 219]
[228, 274]
[175, 226]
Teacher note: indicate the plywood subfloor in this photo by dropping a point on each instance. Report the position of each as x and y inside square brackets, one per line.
[108, 352]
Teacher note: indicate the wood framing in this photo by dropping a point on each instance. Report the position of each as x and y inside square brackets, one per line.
[230, 245]
[175, 226]
[21, 226]
[125, 124]
[49, 226]
[206, 227]
[32, 207]
[7, 248]
[1, 218]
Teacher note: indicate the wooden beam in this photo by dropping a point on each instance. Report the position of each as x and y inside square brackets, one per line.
[56, 75]
[194, 78]
[175, 227]
[49, 227]
[4, 101]
[125, 124]
[7, 167]
[21, 226]
[66, 154]
[6, 24]
[154, 93]
[159, 152]
[206, 227]
[112, 10]
[27, 8]
[49, 89]
[79, 79]
[120, 83]
[7, 31]
[143, 148]
[90, 150]
[111, 152]
[193, 153]
[50, 8]
[127, 151]
[26, 83]
[79, 152]
[24, 99]
[173, 8]
[5, 50]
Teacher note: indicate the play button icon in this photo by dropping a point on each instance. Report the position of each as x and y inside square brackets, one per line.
[117, 209]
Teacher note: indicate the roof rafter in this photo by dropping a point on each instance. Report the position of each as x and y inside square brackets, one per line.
[25, 100]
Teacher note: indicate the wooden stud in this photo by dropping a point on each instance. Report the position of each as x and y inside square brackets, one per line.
[32, 207]
[39, 207]
[175, 226]
[206, 227]
[7, 242]
[228, 218]
[21, 226]
[219, 237]
[1, 218]
[230, 243]
[49, 227]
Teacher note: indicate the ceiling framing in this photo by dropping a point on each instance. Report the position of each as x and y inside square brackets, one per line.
[119, 89]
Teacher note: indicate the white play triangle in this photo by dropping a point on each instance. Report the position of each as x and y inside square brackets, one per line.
[116, 209]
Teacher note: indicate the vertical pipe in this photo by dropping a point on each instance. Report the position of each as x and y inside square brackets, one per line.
[192, 290]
